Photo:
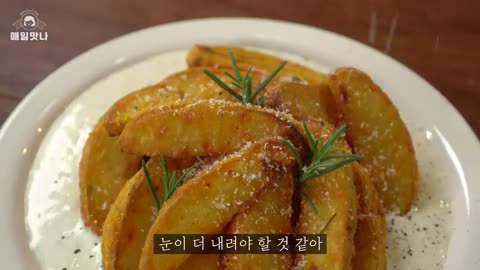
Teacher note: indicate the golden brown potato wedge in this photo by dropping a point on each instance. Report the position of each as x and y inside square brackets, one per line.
[202, 262]
[370, 237]
[270, 214]
[376, 131]
[303, 101]
[207, 202]
[123, 109]
[104, 168]
[217, 56]
[188, 85]
[335, 196]
[131, 216]
[208, 127]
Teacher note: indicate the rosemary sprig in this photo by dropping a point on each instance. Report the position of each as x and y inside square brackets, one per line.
[170, 182]
[244, 83]
[150, 184]
[322, 161]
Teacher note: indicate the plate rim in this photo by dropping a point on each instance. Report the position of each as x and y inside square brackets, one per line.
[52, 109]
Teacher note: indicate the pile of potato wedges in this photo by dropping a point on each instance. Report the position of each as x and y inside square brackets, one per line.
[244, 177]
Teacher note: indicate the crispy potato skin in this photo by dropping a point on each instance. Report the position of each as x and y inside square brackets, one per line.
[104, 168]
[303, 101]
[189, 85]
[270, 214]
[332, 193]
[131, 216]
[206, 203]
[208, 127]
[370, 237]
[376, 131]
[217, 56]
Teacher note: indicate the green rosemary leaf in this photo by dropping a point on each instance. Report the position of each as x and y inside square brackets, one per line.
[306, 186]
[335, 156]
[232, 77]
[247, 75]
[268, 79]
[172, 184]
[294, 152]
[311, 140]
[222, 85]
[335, 149]
[309, 174]
[150, 185]
[165, 179]
[248, 90]
[234, 65]
[336, 166]
[237, 85]
[328, 223]
[309, 201]
[326, 148]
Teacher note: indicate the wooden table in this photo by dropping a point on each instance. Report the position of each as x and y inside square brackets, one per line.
[439, 39]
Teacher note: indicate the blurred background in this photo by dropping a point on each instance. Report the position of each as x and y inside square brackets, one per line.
[439, 39]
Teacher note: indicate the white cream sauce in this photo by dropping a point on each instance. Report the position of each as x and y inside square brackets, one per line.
[60, 240]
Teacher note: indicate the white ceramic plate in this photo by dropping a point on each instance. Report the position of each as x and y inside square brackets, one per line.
[447, 135]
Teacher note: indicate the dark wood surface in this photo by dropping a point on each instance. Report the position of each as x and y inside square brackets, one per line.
[439, 39]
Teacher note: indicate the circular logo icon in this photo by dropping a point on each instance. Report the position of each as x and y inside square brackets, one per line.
[29, 21]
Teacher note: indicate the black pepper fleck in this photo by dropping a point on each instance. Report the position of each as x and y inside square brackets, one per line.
[76, 251]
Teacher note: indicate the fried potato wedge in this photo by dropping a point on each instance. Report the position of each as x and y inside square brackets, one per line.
[202, 262]
[270, 214]
[207, 202]
[303, 101]
[123, 109]
[207, 127]
[376, 131]
[104, 168]
[188, 85]
[335, 196]
[217, 56]
[370, 237]
[131, 216]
